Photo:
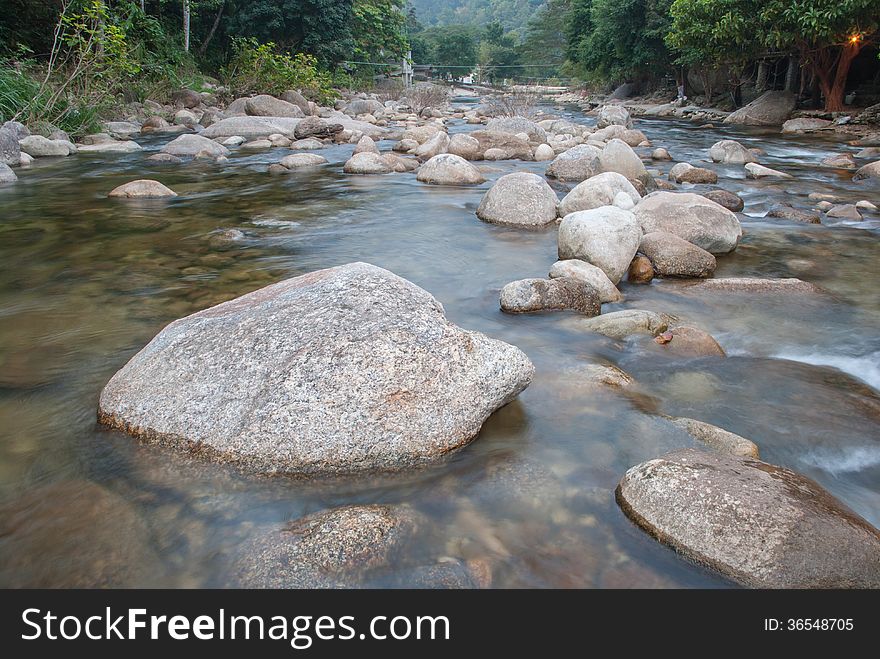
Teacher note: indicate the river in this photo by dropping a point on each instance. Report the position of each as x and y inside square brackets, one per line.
[86, 281]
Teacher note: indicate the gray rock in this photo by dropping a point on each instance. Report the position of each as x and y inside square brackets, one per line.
[717, 438]
[634, 138]
[315, 127]
[465, 146]
[513, 147]
[361, 106]
[252, 128]
[366, 145]
[731, 152]
[576, 164]
[805, 125]
[191, 145]
[544, 152]
[166, 158]
[770, 109]
[329, 549]
[687, 341]
[122, 130]
[293, 96]
[686, 173]
[185, 118]
[613, 115]
[844, 212]
[519, 199]
[331, 372]
[421, 134]
[621, 324]
[438, 144]
[672, 256]
[840, 161]
[618, 156]
[730, 201]
[587, 272]
[449, 169]
[761, 525]
[563, 294]
[10, 151]
[300, 160]
[607, 237]
[269, 106]
[186, 98]
[690, 216]
[867, 152]
[6, 174]
[871, 170]
[368, 163]
[755, 285]
[111, 147]
[660, 154]
[786, 212]
[515, 125]
[18, 129]
[596, 191]
[754, 170]
[38, 146]
[143, 188]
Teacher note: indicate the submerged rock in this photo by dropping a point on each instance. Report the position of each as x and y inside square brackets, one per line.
[758, 524]
[754, 285]
[621, 324]
[607, 237]
[786, 212]
[143, 189]
[519, 199]
[336, 371]
[839, 161]
[845, 212]
[329, 549]
[717, 438]
[692, 217]
[561, 294]
[587, 272]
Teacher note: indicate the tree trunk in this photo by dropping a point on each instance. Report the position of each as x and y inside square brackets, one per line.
[186, 25]
[832, 73]
[791, 74]
[763, 75]
[204, 46]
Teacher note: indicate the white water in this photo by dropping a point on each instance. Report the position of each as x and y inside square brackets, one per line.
[846, 461]
[866, 368]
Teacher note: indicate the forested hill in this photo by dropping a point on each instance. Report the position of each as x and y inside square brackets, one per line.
[512, 14]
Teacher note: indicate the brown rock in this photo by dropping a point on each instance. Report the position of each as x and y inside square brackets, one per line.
[640, 270]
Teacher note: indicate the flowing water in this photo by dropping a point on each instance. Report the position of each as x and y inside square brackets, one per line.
[86, 281]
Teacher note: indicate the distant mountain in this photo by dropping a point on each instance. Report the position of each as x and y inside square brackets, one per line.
[512, 14]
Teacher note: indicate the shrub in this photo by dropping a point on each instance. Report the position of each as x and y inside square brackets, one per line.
[427, 95]
[515, 104]
[258, 68]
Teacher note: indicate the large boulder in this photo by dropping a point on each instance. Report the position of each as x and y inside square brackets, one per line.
[365, 145]
[607, 237]
[10, 151]
[512, 146]
[128, 146]
[449, 169]
[142, 189]
[368, 163]
[758, 524]
[38, 146]
[871, 170]
[805, 125]
[336, 371]
[597, 191]
[618, 156]
[421, 134]
[333, 548]
[317, 128]
[361, 106]
[300, 101]
[672, 256]
[770, 109]
[252, 128]
[613, 115]
[190, 145]
[516, 125]
[690, 216]
[590, 274]
[186, 98]
[519, 199]
[731, 152]
[576, 164]
[438, 144]
[300, 160]
[269, 106]
[465, 146]
[561, 294]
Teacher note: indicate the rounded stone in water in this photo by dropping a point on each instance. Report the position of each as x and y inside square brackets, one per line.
[343, 370]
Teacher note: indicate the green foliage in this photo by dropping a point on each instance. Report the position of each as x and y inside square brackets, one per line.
[260, 68]
[450, 47]
[545, 41]
[513, 15]
[498, 53]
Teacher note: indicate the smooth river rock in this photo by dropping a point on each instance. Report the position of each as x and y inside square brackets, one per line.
[717, 438]
[6, 174]
[690, 216]
[142, 189]
[520, 199]
[192, 145]
[576, 164]
[587, 272]
[10, 151]
[754, 170]
[619, 157]
[770, 109]
[449, 169]
[607, 237]
[757, 524]
[730, 200]
[343, 370]
[731, 152]
[613, 115]
[684, 172]
[562, 294]
[672, 256]
[621, 324]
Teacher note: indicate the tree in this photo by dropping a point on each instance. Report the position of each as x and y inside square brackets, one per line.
[379, 29]
[498, 55]
[828, 35]
[545, 40]
[453, 48]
